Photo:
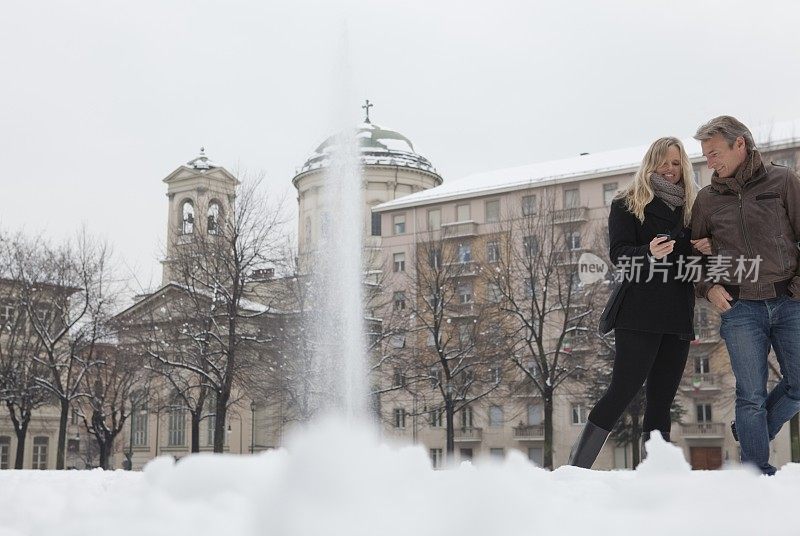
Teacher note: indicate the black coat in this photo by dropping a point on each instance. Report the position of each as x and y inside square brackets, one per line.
[655, 306]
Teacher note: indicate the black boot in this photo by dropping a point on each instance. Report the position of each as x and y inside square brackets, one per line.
[585, 450]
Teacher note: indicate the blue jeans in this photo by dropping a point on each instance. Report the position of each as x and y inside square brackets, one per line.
[749, 328]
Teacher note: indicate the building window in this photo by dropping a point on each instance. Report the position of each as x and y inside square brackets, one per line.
[398, 378]
[465, 335]
[530, 246]
[5, 451]
[466, 454]
[573, 240]
[529, 287]
[436, 458]
[436, 417]
[462, 213]
[493, 251]
[399, 300]
[40, 452]
[704, 413]
[211, 422]
[495, 416]
[399, 262]
[464, 253]
[399, 224]
[494, 294]
[609, 191]
[435, 258]
[701, 365]
[213, 218]
[620, 458]
[496, 374]
[535, 414]
[697, 170]
[497, 453]
[435, 372]
[466, 417]
[464, 293]
[493, 211]
[579, 414]
[139, 425]
[187, 218]
[397, 341]
[74, 416]
[572, 198]
[536, 455]
[528, 205]
[434, 219]
[399, 418]
[176, 425]
[376, 225]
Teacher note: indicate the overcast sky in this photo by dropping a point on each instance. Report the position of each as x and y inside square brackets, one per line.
[100, 100]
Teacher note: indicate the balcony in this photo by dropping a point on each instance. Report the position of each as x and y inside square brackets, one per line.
[571, 215]
[701, 383]
[703, 430]
[706, 335]
[463, 310]
[459, 229]
[531, 432]
[462, 269]
[568, 257]
[467, 435]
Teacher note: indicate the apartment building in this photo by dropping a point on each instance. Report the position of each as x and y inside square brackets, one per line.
[578, 191]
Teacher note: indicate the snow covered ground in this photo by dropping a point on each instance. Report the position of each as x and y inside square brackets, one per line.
[335, 480]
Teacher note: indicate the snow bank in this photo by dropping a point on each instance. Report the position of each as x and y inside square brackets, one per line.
[335, 480]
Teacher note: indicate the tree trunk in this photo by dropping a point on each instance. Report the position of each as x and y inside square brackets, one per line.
[195, 425]
[636, 434]
[219, 422]
[21, 432]
[61, 446]
[449, 428]
[104, 448]
[547, 461]
[794, 437]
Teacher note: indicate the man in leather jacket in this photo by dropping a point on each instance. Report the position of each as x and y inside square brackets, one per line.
[750, 214]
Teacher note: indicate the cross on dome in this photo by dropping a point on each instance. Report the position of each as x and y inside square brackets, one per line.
[366, 107]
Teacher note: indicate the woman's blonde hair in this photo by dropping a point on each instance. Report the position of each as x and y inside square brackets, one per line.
[640, 192]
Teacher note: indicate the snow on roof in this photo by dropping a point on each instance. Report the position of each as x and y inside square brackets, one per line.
[576, 168]
[377, 146]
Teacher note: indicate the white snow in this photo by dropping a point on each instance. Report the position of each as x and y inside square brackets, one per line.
[575, 168]
[336, 480]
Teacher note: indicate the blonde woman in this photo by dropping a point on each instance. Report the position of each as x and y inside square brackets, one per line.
[648, 228]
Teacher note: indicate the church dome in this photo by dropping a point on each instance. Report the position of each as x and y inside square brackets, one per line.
[377, 147]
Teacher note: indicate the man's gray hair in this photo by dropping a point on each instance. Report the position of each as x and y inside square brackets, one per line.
[729, 128]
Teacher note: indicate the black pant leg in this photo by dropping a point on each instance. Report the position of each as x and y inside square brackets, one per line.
[663, 381]
[635, 353]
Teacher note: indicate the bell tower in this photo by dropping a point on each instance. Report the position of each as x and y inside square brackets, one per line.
[201, 202]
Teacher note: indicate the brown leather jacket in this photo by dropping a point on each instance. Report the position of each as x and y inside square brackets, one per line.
[759, 218]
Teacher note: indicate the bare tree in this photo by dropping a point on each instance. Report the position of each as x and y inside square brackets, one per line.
[67, 300]
[542, 308]
[19, 345]
[436, 329]
[215, 324]
[116, 386]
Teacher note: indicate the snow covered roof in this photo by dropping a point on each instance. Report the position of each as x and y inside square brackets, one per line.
[201, 162]
[618, 161]
[377, 146]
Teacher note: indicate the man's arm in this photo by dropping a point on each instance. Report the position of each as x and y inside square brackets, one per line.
[792, 202]
[700, 230]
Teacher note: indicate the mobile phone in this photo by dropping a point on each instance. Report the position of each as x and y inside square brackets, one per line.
[663, 235]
